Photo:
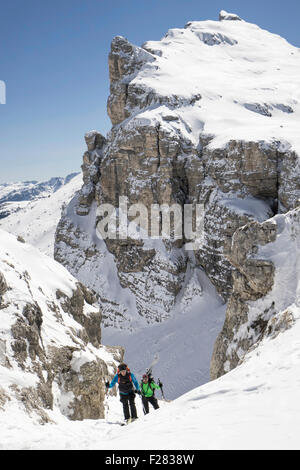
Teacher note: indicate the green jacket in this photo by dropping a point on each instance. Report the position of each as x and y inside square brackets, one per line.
[148, 388]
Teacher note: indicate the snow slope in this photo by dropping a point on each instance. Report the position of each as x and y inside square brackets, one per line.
[184, 343]
[255, 406]
[34, 277]
[34, 280]
[36, 222]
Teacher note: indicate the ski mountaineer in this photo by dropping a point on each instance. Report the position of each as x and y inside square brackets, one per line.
[126, 379]
[148, 387]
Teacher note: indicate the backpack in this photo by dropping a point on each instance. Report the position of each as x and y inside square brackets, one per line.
[150, 381]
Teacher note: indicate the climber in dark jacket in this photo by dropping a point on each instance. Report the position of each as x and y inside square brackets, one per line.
[126, 380]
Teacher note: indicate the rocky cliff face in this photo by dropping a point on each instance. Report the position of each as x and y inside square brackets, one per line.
[181, 135]
[51, 357]
[265, 287]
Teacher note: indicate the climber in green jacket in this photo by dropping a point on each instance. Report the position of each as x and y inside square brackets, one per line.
[148, 387]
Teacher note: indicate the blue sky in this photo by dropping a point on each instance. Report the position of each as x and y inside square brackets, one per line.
[53, 60]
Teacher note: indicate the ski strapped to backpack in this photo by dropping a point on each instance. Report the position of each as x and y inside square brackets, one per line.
[149, 370]
[155, 361]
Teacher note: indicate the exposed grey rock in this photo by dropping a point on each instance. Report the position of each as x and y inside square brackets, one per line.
[224, 15]
[124, 61]
[55, 363]
[258, 108]
[54, 340]
[26, 333]
[247, 321]
[288, 179]
[4, 398]
[91, 170]
[3, 285]
[75, 306]
[94, 140]
[86, 384]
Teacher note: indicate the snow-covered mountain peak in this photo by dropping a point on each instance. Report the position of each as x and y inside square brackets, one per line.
[247, 78]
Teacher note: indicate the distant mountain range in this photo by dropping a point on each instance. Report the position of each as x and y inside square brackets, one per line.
[16, 195]
[33, 209]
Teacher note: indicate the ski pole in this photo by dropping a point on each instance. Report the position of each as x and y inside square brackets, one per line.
[143, 406]
[142, 403]
[161, 389]
[106, 405]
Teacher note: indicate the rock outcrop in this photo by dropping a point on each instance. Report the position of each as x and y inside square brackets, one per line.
[224, 15]
[124, 61]
[265, 286]
[3, 285]
[162, 149]
[50, 342]
[90, 170]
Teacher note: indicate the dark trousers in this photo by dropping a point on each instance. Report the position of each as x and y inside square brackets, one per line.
[128, 401]
[146, 401]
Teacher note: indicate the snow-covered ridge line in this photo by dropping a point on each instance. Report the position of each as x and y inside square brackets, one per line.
[35, 221]
[29, 190]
